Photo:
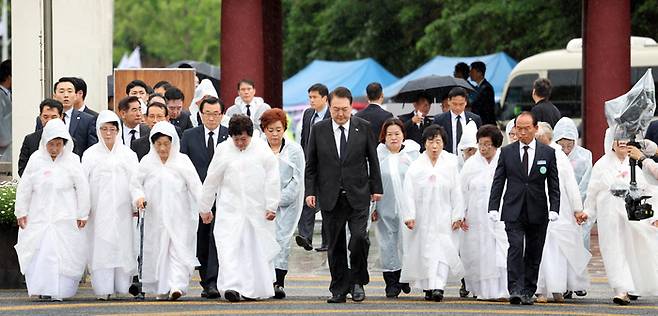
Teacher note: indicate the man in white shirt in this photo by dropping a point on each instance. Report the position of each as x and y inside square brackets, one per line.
[455, 120]
[248, 103]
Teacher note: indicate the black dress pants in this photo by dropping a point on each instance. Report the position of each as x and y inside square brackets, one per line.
[523, 262]
[206, 252]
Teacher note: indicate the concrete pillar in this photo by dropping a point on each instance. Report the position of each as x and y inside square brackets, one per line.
[251, 37]
[606, 64]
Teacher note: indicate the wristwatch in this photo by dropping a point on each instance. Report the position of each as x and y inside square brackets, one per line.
[639, 161]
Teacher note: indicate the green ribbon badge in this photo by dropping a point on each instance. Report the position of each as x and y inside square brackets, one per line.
[542, 170]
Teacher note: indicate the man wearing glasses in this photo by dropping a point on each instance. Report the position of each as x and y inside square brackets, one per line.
[177, 116]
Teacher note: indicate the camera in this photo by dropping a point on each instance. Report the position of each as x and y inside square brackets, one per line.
[636, 210]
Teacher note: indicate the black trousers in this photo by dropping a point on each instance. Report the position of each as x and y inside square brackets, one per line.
[306, 224]
[206, 252]
[523, 262]
[343, 278]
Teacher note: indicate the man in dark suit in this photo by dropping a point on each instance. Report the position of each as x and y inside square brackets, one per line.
[484, 103]
[130, 112]
[374, 112]
[456, 119]
[49, 109]
[155, 112]
[525, 166]
[81, 92]
[319, 110]
[199, 144]
[82, 126]
[342, 178]
[177, 116]
[544, 110]
[416, 121]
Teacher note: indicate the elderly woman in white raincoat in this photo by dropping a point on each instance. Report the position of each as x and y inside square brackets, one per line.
[563, 268]
[243, 177]
[167, 180]
[435, 208]
[395, 156]
[483, 248]
[52, 206]
[274, 123]
[629, 248]
[109, 165]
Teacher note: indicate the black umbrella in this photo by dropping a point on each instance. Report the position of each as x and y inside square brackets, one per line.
[436, 87]
[203, 68]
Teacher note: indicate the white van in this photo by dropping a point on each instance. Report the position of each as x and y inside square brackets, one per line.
[564, 69]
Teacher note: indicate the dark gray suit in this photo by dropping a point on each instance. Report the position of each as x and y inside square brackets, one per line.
[82, 127]
[376, 116]
[445, 120]
[30, 145]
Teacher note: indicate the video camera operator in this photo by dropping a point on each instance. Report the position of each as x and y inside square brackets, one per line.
[646, 157]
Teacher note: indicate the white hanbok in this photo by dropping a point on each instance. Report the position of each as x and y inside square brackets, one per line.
[629, 248]
[393, 167]
[564, 259]
[435, 201]
[484, 246]
[171, 190]
[245, 184]
[112, 260]
[52, 250]
[291, 175]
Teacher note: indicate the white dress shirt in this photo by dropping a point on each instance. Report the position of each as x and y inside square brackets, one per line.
[453, 124]
[214, 135]
[531, 153]
[127, 136]
[320, 115]
[67, 118]
[337, 133]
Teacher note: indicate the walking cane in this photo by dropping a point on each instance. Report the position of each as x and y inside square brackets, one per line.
[136, 288]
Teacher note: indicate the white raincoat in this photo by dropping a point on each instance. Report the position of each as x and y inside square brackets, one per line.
[171, 190]
[393, 169]
[435, 201]
[580, 158]
[110, 227]
[291, 175]
[245, 184]
[484, 246]
[52, 250]
[204, 88]
[628, 248]
[468, 140]
[257, 107]
[564, 259]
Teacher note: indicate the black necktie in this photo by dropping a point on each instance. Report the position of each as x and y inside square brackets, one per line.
[343, 142]
[211, 145]
[459, 130]
[315, 118]
[64, 119]
[132, 135]
[525, 159]
[248, 110]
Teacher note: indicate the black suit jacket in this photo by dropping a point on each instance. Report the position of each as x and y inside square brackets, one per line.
[376, 116]
[358, 171]
[194, 146]
[30, 145]
[445, 120]
[413, 131]
[183, 121]
[144, 130]
[142, 145]
[82, 128]
[484, 104]
[306, 125]
[545, 111]
[526, 191]
[91, 112]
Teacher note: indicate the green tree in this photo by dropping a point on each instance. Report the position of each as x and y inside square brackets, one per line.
[167, 31]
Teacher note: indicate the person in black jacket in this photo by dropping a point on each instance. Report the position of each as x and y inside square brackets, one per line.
[544, 110]
[177, 116]
[342, 178]
[416, 121]
[374, 112]
[455, 120]
[49, 109]
[484, 103]
[155, 112]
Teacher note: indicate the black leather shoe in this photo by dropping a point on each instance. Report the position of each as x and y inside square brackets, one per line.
[568, 294]
[304, 242]
[630, 297]
[405, 288]
[232, 296]
[428, 295]
[204, 294]
[393, 292]
[358, 293]
[212, 293]
[437, 295]
[462, 290]
[337, 299]
[581, 293]
[527, 300]
[279, 293]
[515, 299]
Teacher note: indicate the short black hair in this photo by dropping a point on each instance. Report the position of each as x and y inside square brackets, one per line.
[155, 95]
[247, 81]
[163, 83]
[457, 92]
[491, 131]
[80, 85]
[479, 66]
[528, 113]
[5, 70]
[239, 124]
[137, 83]
[173, 93]
[124, 104]
[374, 90]
[542, 87]
[70, 80]
[212, 100]
[51, 103]
[319, 88]
[426, 96]
[157, 136]
[432, 131]
[462, 69]
[340, 92]
[159, 105]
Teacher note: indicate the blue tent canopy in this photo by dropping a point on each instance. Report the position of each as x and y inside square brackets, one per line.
[499, 65]
[355, 75]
